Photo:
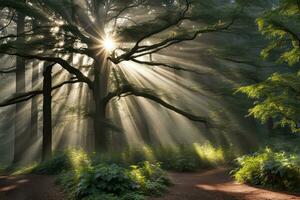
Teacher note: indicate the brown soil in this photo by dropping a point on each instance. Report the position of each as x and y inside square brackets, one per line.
[29, 187]
[210, 185]
[216, 185]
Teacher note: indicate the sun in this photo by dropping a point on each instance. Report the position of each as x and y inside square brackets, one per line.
[109, 44]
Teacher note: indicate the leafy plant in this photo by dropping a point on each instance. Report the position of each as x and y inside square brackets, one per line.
[267, 168]
[105, 179]
[151, 179]
[71, 159]
[110, 181]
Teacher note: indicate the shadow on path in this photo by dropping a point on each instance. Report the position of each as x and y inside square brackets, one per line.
[29, 187]
[217, 185]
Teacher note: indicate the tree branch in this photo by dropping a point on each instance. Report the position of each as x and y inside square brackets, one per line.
[138, 51]
[9, 22]
[21, 97]
[166, 66]
[72, 70]
[128, 90]
[8, 70]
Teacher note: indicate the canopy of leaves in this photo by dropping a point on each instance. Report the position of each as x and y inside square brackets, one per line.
[278, 96]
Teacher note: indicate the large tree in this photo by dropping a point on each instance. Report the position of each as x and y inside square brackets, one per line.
[83, 28]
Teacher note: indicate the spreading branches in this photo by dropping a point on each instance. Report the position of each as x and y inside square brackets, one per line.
[128, 90]
[21, 97]
[122, 10]
[26, 33]
[139, 51]
[9, 22]
[72, 70]
[151, 63]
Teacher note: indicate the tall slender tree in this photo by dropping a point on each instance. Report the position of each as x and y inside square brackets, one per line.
[20, 88]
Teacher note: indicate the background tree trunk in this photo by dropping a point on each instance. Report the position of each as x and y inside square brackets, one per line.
[34, 102]
[47, 115]
[19, 141]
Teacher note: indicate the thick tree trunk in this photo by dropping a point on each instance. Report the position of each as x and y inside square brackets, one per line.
[47, 115]
[19, 140]
[100, 117]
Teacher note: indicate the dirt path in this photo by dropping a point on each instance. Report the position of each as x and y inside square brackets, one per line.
[29, 187]
[216, 185]
[210, 185]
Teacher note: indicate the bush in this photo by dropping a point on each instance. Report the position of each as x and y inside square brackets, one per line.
[151, 179]
[109, 179]
[191, 158]
[271, 169]
[115, 182]
[71, 159]
[178, 158]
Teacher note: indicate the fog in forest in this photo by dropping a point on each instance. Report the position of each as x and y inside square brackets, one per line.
[199, 77]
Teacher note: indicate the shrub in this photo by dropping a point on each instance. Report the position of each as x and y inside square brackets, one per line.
[132, 196]
[71, 159]
[178, 158]
[151, 179]
[267, 168]
[114, 182]
[182, 163]
[101, 197]
[110, 179]
[190, 158]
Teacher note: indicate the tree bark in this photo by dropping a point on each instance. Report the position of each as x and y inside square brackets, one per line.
[34, 103]
[99, 92]
[47, 115]
[19, 142]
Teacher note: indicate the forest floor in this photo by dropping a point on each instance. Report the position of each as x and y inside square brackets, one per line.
[216, 184]
[209, 185]
[29, 187]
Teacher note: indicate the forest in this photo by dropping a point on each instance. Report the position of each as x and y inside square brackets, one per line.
[149, 99]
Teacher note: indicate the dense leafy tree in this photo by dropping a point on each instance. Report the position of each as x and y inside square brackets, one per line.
[278, 96]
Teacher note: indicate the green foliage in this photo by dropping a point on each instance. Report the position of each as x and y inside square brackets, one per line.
[267, 168]
[110, 181]
[71, 159]
[22, 170]
[181, 158]
[278, 97]
[191, 158]
[151, 179]
[280, 26]
[101, 197]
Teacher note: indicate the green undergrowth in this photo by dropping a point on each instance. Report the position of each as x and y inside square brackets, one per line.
[276, 169]
[130, 174]
[83, 178]
[181, 158]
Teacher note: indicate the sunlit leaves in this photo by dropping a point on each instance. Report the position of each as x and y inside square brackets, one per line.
[281, 26]
[278, 97]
